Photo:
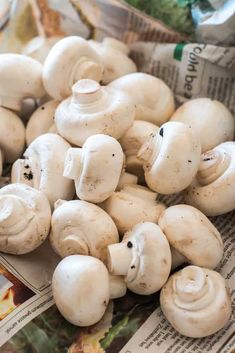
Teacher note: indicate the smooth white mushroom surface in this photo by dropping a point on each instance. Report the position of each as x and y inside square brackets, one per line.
[213, 189]
[25, 217]
[196, 301]
[192, 235]
[39, 47]
[126, 178]
[42, 168]
[20, 78]
[114, 56]
[132, 205]
[131, 142]
[93, 109]
[12, 137]
[79, 227]
[153, 99]
[171, 158]
[95, 168]
[143, 257]
[41, 121]
[210, 119]
[71, 59]
[81, 289]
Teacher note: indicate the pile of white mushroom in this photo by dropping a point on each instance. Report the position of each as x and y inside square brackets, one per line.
[102, 143]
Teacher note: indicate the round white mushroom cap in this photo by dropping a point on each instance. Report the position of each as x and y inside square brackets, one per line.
[25, 216]
[213, 189]
[171, 158]
[132, 205]
[93, 109]
[70, 59]
[210, 119]
[42, 168]
[96, 168]
[196, 301]
[192, 235]
[143, 257]
[79, 227]
[153, 99]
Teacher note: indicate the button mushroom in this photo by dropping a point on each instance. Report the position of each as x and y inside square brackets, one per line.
[213, 189]
[82, 289]
[196, 301]
[171, 158]
[192, 235]
[79, 227]
[25, 216]
[42, 168]
[131, 142]
[114, 55]
[71, 59]
[132, 205]
[20, 78]
[126, 178]
[39, 47]
[210, 119]
[96, 168]
[153, 99]
[93, 109]
[12, 137]
[143, 257]
[41, 121]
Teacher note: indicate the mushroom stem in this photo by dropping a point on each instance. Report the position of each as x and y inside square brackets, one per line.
[86, 69]
[73, 163]
[12, 103]
[150, 149]
[117, 287]
[119, 259]
[18, 173]
[86, 92]
[140, 191]
[213, 165]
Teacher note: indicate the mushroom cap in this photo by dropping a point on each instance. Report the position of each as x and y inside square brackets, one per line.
[42, 168]
[25, 216]
[196, 301]
[114, 55]
[148, 263]
[210, 119]
[79, 227]
[132, 205]
[41, 121]
[39, 47]
[192, 234]
[12, 135]
[80, 287]
[126, 178]
[96, 168]
[93, 109]
[20, 78]
[153, 99]
[70, 59]
[171, 158]
[213, 189]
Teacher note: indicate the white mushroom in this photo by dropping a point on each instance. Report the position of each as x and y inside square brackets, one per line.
[210, 119]
[132, 205]
[12, 137]
[39, 47]
[82, 289]
[126, 178]
[28, 106]
[20, 78]
[41, 121]
[131, 142]
[79, 227]
[143, 257]
[153, 99]
[213, 189]
[96, 168]
[25, 216]
[42, 168]
[192, 235]
[171, 158]
[71, 59]
[114, 55]
[196, 301]
[5, 7]
[93, 109]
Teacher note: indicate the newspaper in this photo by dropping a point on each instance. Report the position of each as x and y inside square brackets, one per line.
[132, 324]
